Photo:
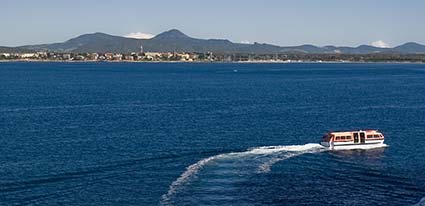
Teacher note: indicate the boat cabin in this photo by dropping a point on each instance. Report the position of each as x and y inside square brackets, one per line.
[352, 138]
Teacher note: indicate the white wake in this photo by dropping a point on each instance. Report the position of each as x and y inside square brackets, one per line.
[421, 203]
[269, 156]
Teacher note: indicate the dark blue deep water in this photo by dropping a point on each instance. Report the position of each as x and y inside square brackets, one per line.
[192, 134]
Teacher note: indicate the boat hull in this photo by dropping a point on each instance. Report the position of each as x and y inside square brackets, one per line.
[351, 145]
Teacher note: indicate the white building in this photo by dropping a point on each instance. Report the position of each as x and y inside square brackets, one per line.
[5, 55]
[28, 55]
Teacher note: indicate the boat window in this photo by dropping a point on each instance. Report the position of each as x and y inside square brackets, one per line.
[337, 137]
[342, 137]
[348, 137]
[369, 136]
[376, 135]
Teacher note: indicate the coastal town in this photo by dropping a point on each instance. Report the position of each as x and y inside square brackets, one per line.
[145, 56]
[208, 57]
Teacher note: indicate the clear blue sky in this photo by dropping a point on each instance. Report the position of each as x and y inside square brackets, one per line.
[281, 22]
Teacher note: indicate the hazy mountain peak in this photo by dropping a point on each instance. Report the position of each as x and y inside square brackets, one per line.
[365, 46]
[96, 34]
[411, 44]
[171, 34]
[411, 47]
[92, 37]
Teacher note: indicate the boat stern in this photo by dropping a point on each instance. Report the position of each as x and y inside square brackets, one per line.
[325, 144]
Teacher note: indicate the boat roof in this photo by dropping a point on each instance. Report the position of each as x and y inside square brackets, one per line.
[349, 132]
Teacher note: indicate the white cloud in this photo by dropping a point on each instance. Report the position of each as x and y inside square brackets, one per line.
[380, 44]
[139, 35]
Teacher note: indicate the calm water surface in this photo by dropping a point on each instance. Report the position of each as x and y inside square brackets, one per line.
[208, 134]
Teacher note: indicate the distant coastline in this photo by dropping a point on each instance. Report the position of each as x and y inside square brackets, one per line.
[219, 62]
[175, 46]
[207, 57]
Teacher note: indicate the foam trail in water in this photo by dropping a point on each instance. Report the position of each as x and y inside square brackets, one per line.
[266, 167]
[421, 203]
[292, 152]
[192, 170]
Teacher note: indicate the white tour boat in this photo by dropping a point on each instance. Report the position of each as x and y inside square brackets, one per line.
[360, 139]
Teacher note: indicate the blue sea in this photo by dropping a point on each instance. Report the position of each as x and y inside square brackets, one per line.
[208, 134]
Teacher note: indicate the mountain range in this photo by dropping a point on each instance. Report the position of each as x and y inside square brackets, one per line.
[176, 41]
